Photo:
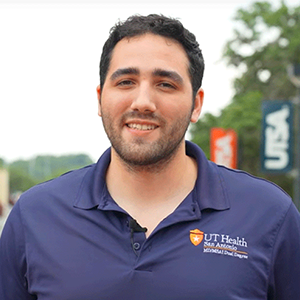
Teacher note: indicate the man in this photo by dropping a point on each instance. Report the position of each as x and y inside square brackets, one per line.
[153, 219]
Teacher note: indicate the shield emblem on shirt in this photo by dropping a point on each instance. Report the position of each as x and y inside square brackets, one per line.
[196, 236]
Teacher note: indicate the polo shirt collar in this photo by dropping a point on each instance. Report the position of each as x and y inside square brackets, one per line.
[210, 188]
[93, 191]
[209, 193]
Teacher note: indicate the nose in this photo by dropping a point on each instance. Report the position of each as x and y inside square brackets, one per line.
[144, 99]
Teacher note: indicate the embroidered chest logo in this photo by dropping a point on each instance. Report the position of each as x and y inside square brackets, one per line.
[218, 243]
[196, 236]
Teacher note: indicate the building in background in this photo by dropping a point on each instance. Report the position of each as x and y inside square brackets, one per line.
[4, 190]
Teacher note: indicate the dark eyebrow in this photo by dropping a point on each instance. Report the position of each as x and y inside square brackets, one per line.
[169, 74]
[125, 71]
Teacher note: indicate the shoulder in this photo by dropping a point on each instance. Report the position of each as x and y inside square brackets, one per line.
[238, 188]
[253, 193]
[62, 188]
[239, 181]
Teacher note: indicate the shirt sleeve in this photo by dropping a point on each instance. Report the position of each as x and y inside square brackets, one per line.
[285, 271]
[13, 282]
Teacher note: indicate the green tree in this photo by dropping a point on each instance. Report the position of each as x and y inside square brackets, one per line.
[2, 162]
[266, 40]
[19, 180]
[26, 173]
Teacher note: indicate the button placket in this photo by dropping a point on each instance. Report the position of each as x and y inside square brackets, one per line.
[136, 246]
[137, 240]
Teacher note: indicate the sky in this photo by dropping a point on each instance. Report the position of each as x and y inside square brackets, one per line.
[49, 67]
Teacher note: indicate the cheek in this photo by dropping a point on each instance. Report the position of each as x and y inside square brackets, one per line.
[114, 104]
[179, 111]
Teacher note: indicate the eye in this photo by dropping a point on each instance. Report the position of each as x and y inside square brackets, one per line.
[167, 85]
[125, 83]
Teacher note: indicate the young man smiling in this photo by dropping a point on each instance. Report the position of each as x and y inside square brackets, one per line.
[146, 104]
[153, 219]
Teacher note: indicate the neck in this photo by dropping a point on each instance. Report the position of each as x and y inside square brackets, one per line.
[168, 170]
[151, 191]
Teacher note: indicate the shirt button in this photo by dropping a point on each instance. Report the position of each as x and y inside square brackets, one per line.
[136, 246]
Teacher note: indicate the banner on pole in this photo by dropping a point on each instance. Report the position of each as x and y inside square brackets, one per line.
[223, 147]
[277, 137]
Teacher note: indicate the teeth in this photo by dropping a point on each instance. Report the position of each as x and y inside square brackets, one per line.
[141, 126]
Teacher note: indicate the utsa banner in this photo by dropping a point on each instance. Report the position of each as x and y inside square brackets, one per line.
[277, 136]
[223, 147]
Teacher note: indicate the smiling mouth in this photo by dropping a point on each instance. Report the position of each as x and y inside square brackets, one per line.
[143, 127]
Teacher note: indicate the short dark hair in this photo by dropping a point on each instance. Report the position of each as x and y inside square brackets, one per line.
[160, 25]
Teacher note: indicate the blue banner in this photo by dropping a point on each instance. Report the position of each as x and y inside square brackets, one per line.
[277, 136]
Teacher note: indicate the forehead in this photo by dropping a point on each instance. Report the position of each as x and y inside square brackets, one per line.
[148, 52]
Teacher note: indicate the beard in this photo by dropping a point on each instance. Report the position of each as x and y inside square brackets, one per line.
[140, 153]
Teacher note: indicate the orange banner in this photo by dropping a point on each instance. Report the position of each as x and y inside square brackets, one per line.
[223, 147]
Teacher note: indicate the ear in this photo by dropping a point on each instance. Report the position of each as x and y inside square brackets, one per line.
[198, 105]
[99, 100]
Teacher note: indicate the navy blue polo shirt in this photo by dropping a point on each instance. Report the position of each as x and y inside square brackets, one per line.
[233, 237]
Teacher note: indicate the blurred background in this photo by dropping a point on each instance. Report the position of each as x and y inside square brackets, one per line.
[49, 59]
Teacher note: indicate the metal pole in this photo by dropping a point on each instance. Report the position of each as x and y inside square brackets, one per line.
[297, 153]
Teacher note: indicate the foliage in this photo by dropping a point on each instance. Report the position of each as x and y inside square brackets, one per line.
[2, 162]
[266, 40]
[19, 180]
[26, 173]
